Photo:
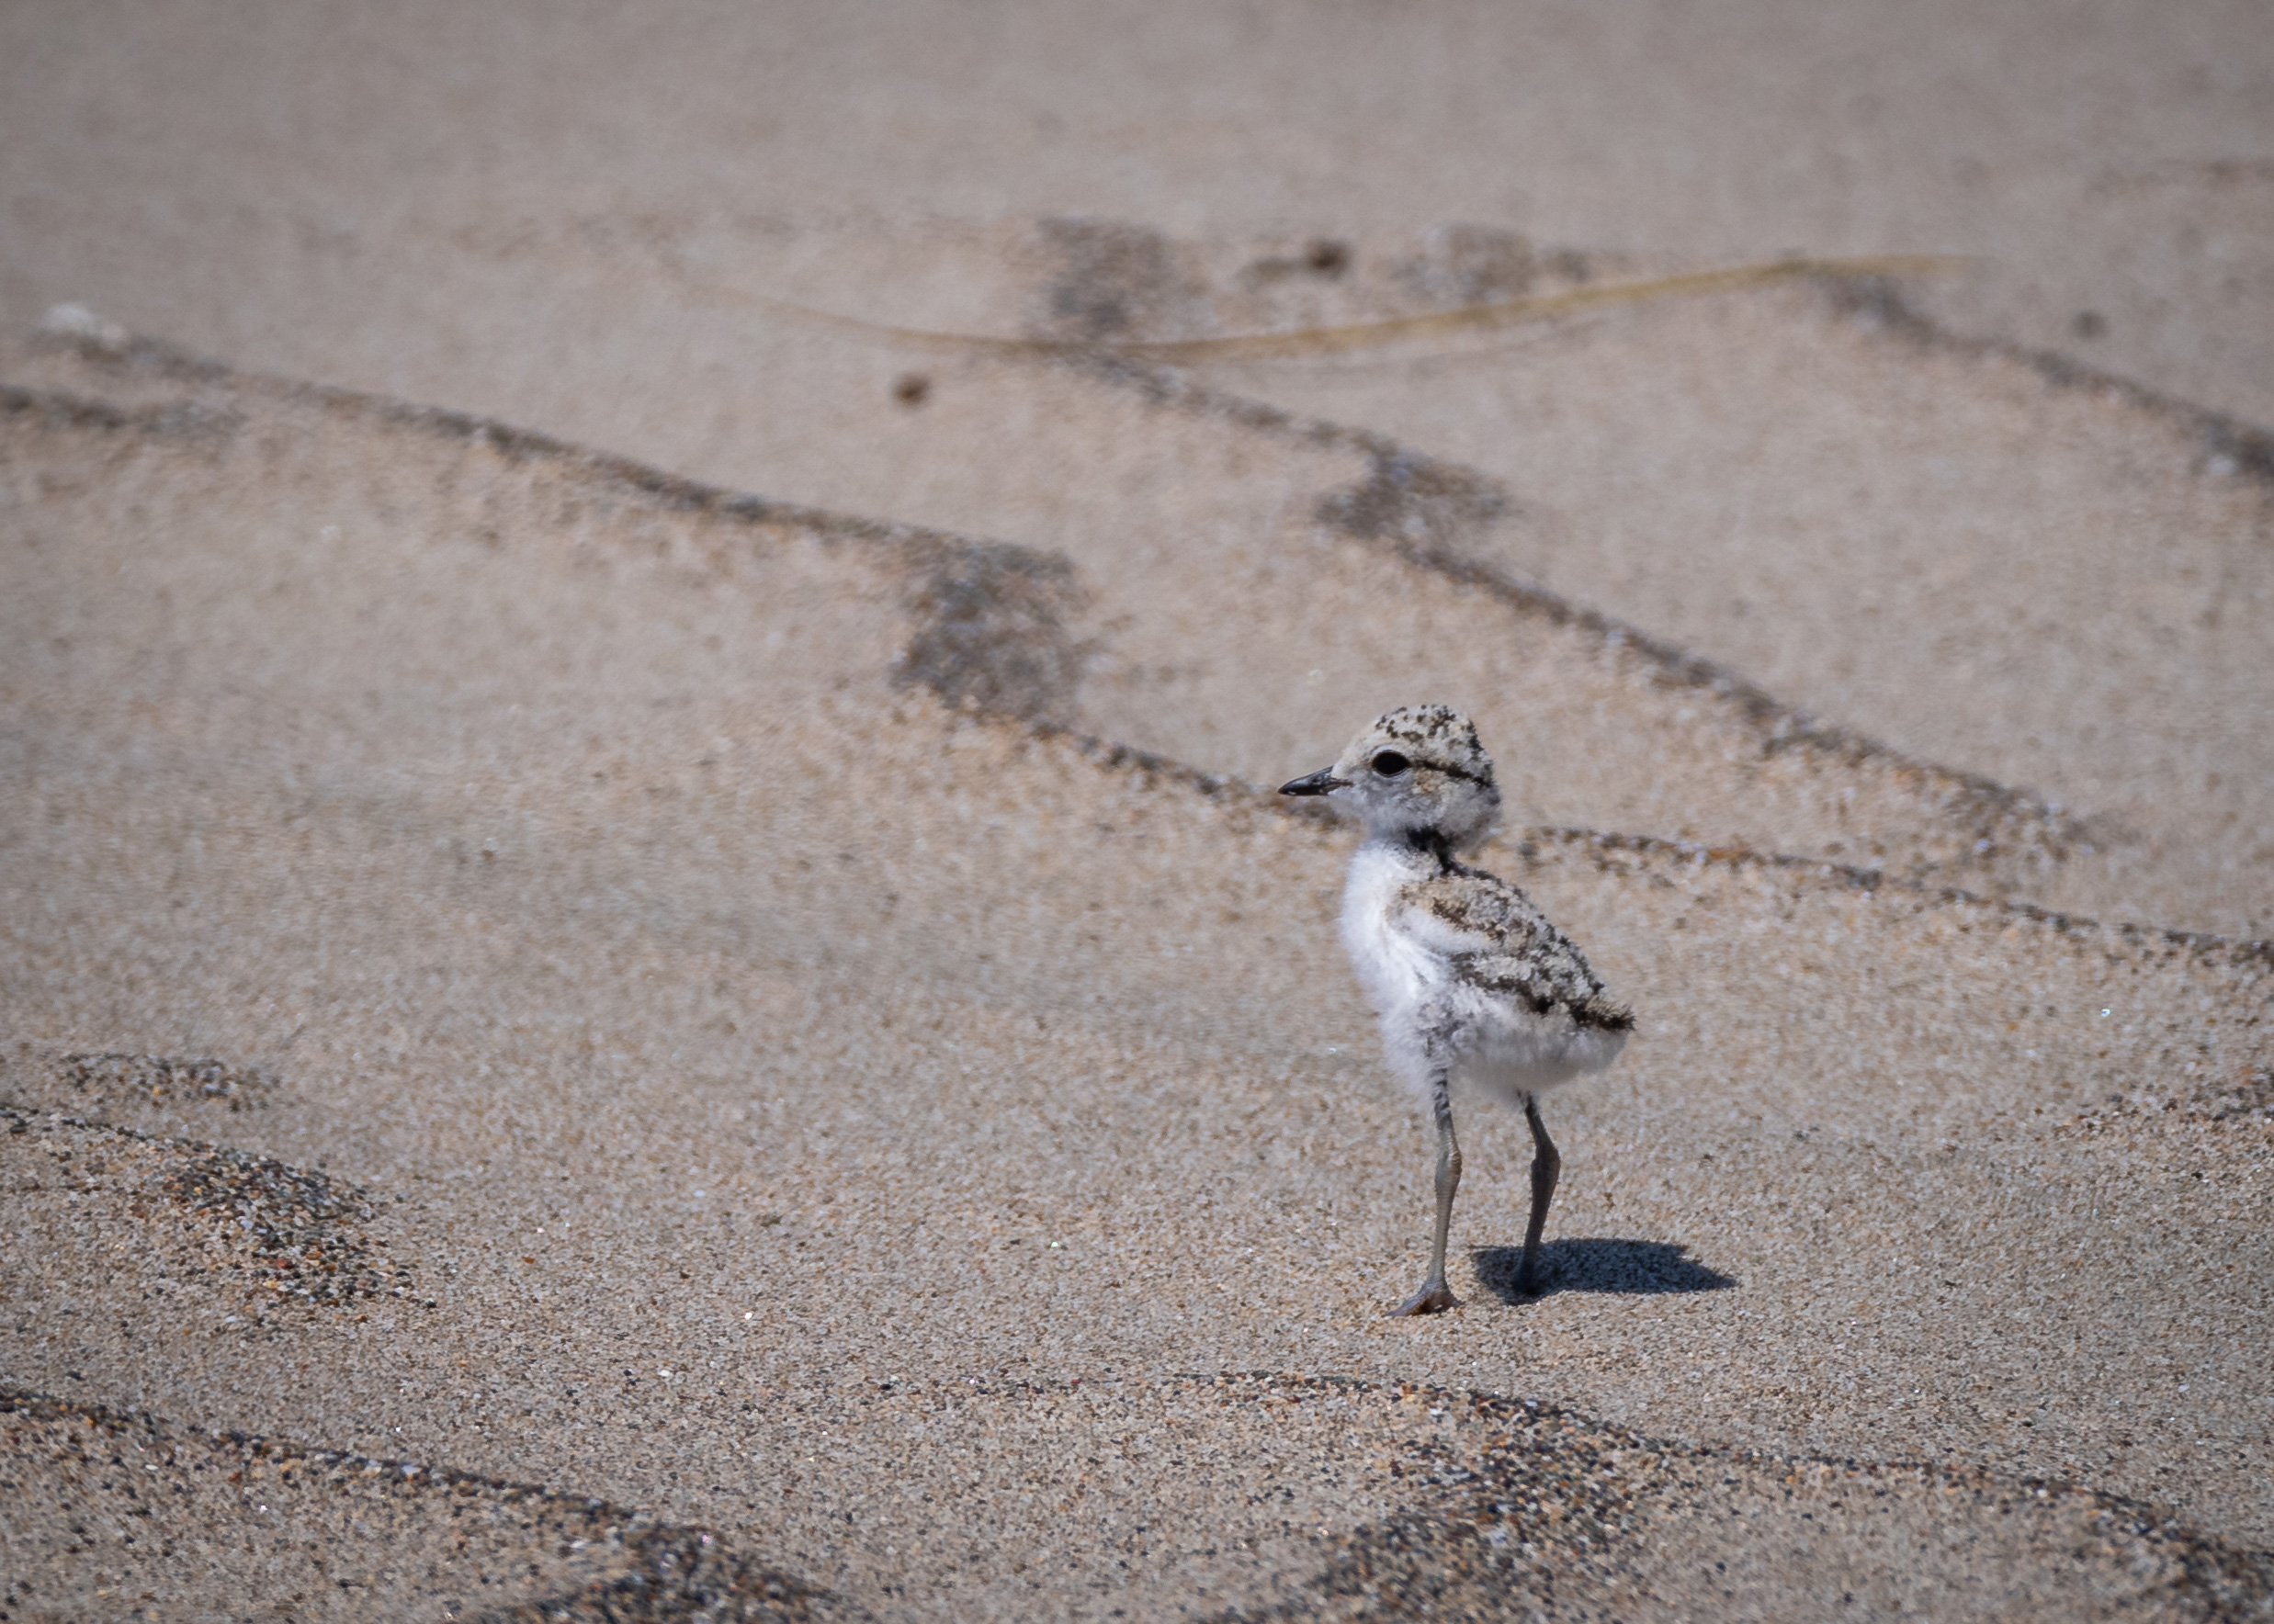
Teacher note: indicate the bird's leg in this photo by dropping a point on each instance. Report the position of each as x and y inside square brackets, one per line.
[1546, 1165]
[1435, 1296]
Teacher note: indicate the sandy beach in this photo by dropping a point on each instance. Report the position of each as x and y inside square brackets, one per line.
[647, 968]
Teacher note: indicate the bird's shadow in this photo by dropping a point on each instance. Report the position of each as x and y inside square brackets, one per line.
[1630, 1268]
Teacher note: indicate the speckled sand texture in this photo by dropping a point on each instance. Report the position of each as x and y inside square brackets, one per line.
[645, 966]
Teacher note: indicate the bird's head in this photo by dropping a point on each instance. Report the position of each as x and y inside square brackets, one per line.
[1417, 771]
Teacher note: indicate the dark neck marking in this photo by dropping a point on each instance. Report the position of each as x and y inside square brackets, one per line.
[1427, 842]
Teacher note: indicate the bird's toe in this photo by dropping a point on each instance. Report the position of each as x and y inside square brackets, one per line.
[1433, 1298]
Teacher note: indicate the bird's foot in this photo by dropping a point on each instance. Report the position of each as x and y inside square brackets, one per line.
[1531, 1277]
[1433, 1298]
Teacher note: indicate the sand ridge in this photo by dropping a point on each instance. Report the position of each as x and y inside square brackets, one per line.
[394, 1535]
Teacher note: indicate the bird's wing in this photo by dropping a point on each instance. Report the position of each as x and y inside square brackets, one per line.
[1496, 941]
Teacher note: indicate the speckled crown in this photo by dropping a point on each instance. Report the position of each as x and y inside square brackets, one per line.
[1437, 737]
[1448, 790]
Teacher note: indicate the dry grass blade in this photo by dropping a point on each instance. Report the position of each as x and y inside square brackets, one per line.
[1362, 335]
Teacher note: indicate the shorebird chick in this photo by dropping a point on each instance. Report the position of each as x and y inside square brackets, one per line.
[1471, 981]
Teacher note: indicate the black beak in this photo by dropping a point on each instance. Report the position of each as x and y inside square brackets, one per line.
[1321, 782]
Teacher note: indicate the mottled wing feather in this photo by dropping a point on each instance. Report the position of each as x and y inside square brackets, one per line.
[1498, 942]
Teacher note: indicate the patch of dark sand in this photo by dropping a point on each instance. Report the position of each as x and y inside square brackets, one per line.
[992, 628]
[243, 1233]
[1516, 1510]
[119, 1514]
[99, 1080]
[1105, 282]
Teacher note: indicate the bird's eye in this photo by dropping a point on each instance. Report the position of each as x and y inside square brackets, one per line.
[1389, 763]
